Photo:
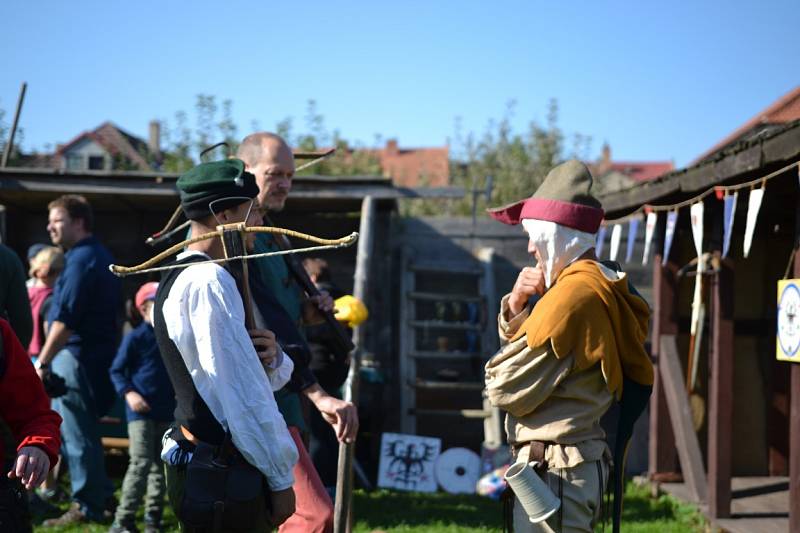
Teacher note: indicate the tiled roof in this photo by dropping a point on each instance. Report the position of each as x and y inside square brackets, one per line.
[641, 170]
[636, 171]
[415, 167]
[783, 110]
[114, 140]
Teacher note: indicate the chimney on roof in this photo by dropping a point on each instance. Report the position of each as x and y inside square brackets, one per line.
[391, 147]
[154, 138]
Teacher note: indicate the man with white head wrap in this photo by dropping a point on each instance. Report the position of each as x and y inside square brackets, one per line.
[569, 356]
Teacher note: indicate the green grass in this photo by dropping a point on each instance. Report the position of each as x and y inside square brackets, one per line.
[403, 512]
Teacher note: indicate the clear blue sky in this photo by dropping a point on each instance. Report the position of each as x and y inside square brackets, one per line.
[657, 80]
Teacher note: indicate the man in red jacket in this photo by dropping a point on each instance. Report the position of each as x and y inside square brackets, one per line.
[27, 426]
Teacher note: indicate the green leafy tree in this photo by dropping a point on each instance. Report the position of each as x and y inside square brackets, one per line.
[516, 161]
[5, 130]
[214, 123]
[347, 161]
[178, 144]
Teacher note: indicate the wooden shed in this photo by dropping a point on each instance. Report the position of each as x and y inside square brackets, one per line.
[736, 446]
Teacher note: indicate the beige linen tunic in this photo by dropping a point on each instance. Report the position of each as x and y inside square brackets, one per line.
[545, 398]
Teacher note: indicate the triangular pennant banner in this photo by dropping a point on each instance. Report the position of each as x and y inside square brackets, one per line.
[696, 219]
[616, 236]
[633, 226]
[729, 214]
[696, 212]
[601, 237]
[753, 207]
[649, 231]
[672, 219]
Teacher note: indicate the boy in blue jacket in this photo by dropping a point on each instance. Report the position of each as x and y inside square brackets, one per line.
[139, 376]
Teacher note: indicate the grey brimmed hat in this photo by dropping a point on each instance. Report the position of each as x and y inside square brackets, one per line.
[564, 197]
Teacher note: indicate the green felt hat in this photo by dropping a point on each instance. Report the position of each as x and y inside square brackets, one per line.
[223, 182]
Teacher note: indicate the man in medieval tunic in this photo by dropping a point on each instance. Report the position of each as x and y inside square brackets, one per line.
[223, 374]
[565, 358]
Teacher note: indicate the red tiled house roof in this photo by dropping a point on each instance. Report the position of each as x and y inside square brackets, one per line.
[642, 170]
[783, 110]
[635, 171]
[115, 141]
[415, 167]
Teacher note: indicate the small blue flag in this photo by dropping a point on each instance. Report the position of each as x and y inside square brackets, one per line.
[633, 226]
[672, 219]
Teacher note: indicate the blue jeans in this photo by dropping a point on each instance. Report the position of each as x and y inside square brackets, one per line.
[80, 433]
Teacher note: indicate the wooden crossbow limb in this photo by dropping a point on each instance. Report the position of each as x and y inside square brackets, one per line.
[149, 265]
[171, 229]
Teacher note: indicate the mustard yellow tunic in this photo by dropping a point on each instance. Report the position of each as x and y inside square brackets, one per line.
[557, 374]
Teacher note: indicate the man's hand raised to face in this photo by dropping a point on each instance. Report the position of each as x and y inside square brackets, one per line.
[529, 282]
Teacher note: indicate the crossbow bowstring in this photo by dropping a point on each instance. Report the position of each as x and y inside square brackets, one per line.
[150, 264]
[171, 229]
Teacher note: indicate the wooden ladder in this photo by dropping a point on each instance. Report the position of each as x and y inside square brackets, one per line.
[446, 321]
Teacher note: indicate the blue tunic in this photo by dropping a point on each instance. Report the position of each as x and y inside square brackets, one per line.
[138, 366]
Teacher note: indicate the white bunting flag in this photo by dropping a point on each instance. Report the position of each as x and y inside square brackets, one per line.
[601, 237]
[728, 216]
[696, 212]
[616, 236]
[633, 226]
[649, 231]
[753, 207]
[696, 219]
[672, 219]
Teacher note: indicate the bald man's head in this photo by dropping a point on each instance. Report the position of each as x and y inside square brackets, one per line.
[270, 159]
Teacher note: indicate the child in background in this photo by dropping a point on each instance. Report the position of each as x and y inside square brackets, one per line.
[46, 265]
[32, 251]
[139, 376]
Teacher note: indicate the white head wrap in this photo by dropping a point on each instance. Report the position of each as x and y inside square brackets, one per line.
[558, 245]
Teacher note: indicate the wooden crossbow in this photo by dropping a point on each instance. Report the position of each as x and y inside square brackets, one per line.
[235, 255]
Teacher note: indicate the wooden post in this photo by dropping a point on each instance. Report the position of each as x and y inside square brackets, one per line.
[662, 453]
[794, 416]
[778, 418]
[794, 441]
[681, 417]
[10, 143]
[342, 511]
[720, 409]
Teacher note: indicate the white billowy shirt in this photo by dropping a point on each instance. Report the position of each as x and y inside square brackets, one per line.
[204, 317]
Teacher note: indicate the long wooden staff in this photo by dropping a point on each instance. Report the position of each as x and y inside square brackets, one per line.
[342, 512]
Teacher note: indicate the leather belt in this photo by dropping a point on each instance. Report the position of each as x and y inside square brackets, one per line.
[188, 434]
[537, 450]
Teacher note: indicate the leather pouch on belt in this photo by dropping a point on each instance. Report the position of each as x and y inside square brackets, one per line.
[222, 494]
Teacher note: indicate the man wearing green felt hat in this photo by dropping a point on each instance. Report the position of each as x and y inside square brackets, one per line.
[224, 376]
